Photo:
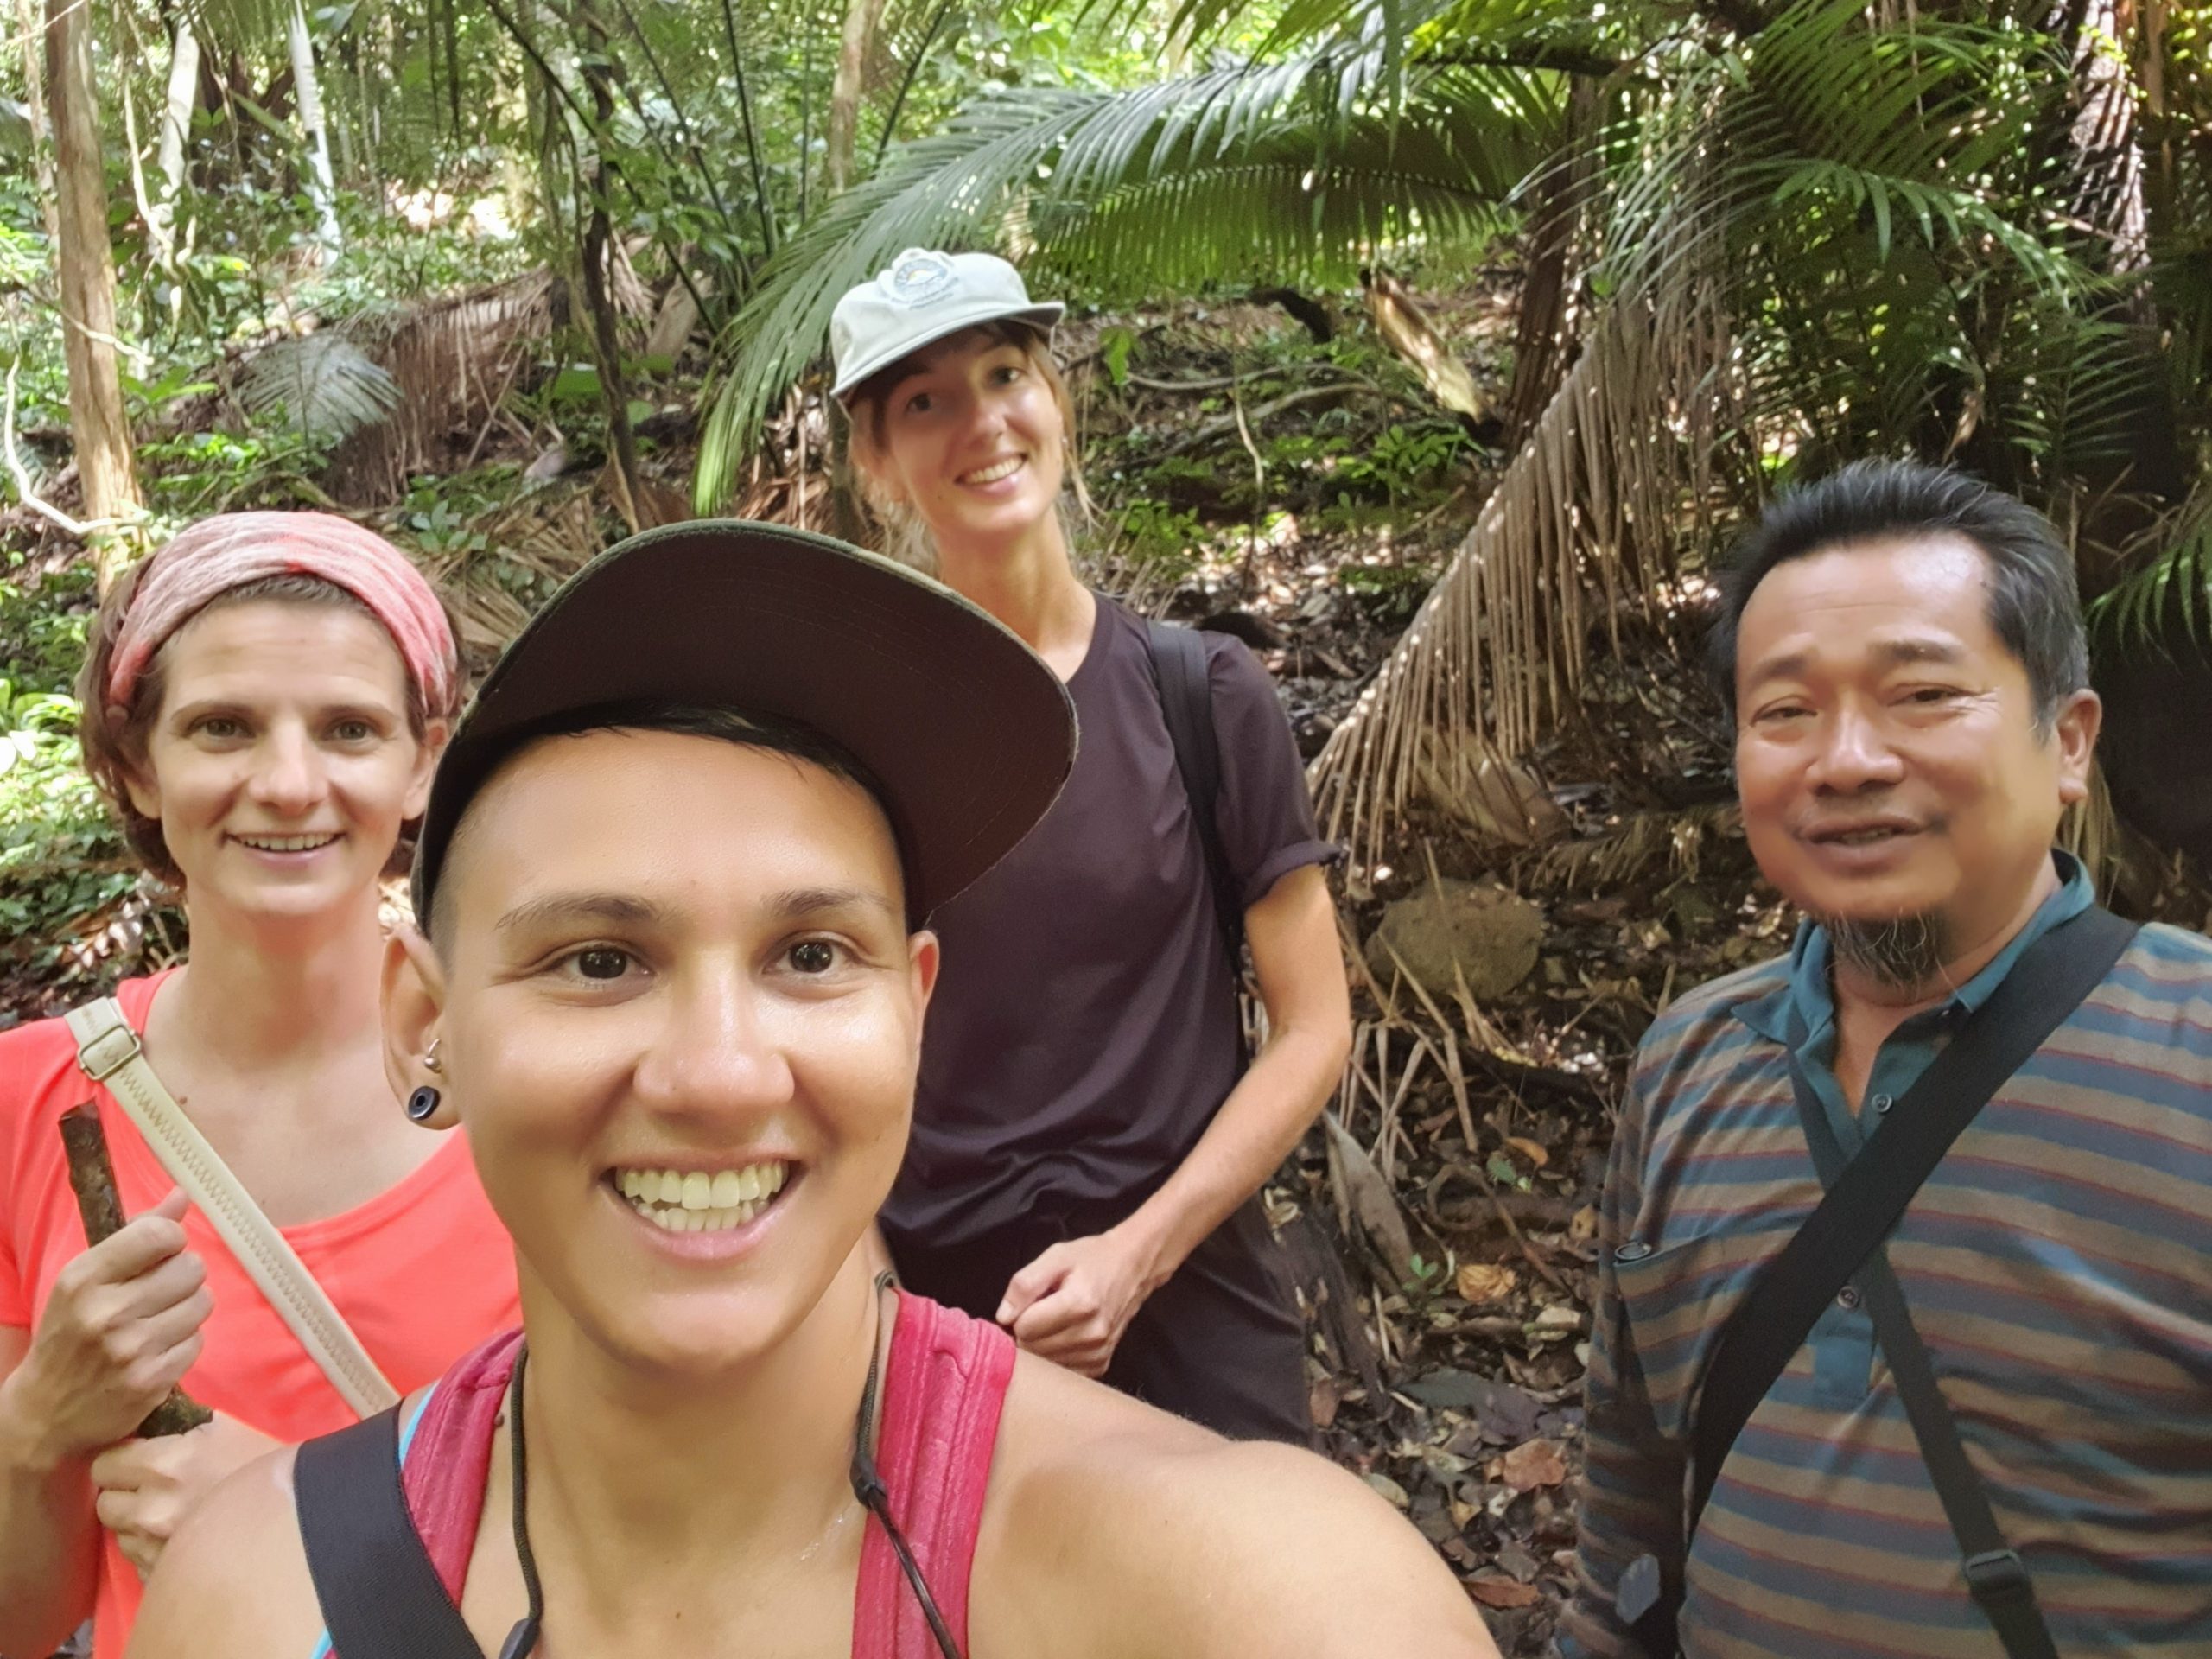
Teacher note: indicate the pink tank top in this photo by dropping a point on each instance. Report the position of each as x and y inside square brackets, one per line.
[943, 1389]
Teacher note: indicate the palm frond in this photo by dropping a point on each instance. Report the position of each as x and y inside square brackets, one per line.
[2174, 584]
[2072, 392]
[1830, 154]
[1946, 219]
[321, 386]
[1270, 211]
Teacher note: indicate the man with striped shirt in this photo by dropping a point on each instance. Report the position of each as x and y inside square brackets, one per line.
[1905, 653]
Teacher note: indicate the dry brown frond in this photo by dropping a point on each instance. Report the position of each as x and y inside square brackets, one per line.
[1587, 516]
[1113, 563]
[453, 360]
[549, 533]
[1637, 846]
[2090, 831]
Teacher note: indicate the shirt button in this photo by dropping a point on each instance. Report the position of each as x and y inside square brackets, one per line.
[1883, 1103]
[1847, 1298]
[1634, 1250]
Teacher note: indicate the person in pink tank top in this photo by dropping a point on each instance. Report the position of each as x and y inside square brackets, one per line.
[677, 870]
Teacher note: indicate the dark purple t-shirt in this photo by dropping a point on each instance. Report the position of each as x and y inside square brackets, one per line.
[1084, 1029]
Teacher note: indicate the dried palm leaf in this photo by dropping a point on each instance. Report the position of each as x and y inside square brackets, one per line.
[1586, 513]
[1637, 847]
[450, 360]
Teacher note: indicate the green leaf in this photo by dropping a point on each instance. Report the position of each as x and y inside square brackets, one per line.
[576, 383]
[1114, 348]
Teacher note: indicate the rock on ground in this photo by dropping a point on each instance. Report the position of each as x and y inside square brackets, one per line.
[1490, 936]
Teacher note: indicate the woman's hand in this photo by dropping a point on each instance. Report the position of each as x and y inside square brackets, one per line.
[1071, 1304]
[120, 1330]
[147, 1488]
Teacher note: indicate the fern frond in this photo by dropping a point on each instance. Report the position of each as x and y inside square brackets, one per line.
[321, 386]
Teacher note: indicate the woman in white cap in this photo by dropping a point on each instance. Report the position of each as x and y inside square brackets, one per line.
[1091, 1137]
[676, 866]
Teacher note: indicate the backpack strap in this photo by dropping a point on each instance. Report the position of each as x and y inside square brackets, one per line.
[381, 1596]
[1185, 693]
[109, 1053]
[1860, 1208]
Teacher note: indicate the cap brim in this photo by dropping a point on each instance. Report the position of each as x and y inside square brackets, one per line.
[968, 732]
[862, 370]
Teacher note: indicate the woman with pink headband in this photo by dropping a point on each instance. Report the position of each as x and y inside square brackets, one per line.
[265, 700]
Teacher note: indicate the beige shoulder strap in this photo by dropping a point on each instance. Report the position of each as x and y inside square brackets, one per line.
[108, 1051]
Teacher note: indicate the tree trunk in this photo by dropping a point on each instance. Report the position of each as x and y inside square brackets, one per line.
[606, 346]
[176, 113]
[1542, 330]
[175, 128]
[307, 92]
[862, 17]
[97, 424]
[847, 520]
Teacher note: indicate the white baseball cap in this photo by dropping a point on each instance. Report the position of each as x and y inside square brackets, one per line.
[923, 297]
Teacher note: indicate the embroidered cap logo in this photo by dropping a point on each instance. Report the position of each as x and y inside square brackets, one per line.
[918, 277]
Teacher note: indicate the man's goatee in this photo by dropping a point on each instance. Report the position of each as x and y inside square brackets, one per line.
[1902, 952]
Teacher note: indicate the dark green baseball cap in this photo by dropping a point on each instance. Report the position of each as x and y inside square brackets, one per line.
[966, 731]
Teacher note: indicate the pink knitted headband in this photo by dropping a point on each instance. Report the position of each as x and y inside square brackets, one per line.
[202, 563]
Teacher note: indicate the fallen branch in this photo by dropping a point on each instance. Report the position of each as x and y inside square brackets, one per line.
[1221, 384]
[83, 529]
[1222, 426]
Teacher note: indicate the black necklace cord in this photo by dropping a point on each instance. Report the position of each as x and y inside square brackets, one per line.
[868, 1487]
[875, 1497]
[523, 1639]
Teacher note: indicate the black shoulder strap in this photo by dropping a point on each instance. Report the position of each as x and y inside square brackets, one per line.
[1772, 1321]
[1995, 1575]
[381, 1597]
[1179, 676]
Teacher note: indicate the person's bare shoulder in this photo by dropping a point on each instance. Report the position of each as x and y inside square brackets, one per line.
[233, 1583]
[1114, 1531]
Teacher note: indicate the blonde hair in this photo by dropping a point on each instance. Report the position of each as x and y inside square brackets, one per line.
[906, 537]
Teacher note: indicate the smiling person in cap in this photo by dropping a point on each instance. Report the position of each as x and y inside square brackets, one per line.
[1098, 1193]
[676, 868]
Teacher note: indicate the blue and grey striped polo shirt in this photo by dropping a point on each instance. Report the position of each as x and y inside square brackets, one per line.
[2059, 1267]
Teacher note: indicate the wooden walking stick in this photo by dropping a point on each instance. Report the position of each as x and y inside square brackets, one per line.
[92, 1177]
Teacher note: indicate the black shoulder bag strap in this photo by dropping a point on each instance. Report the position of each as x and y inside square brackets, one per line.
[1864, 1202]
[381, 1597]
[1994, 1572]
[1179, 676]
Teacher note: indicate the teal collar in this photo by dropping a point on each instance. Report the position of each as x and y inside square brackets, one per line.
[1809, 997]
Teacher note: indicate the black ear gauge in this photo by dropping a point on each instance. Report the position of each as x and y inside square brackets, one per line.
[423, 1104]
